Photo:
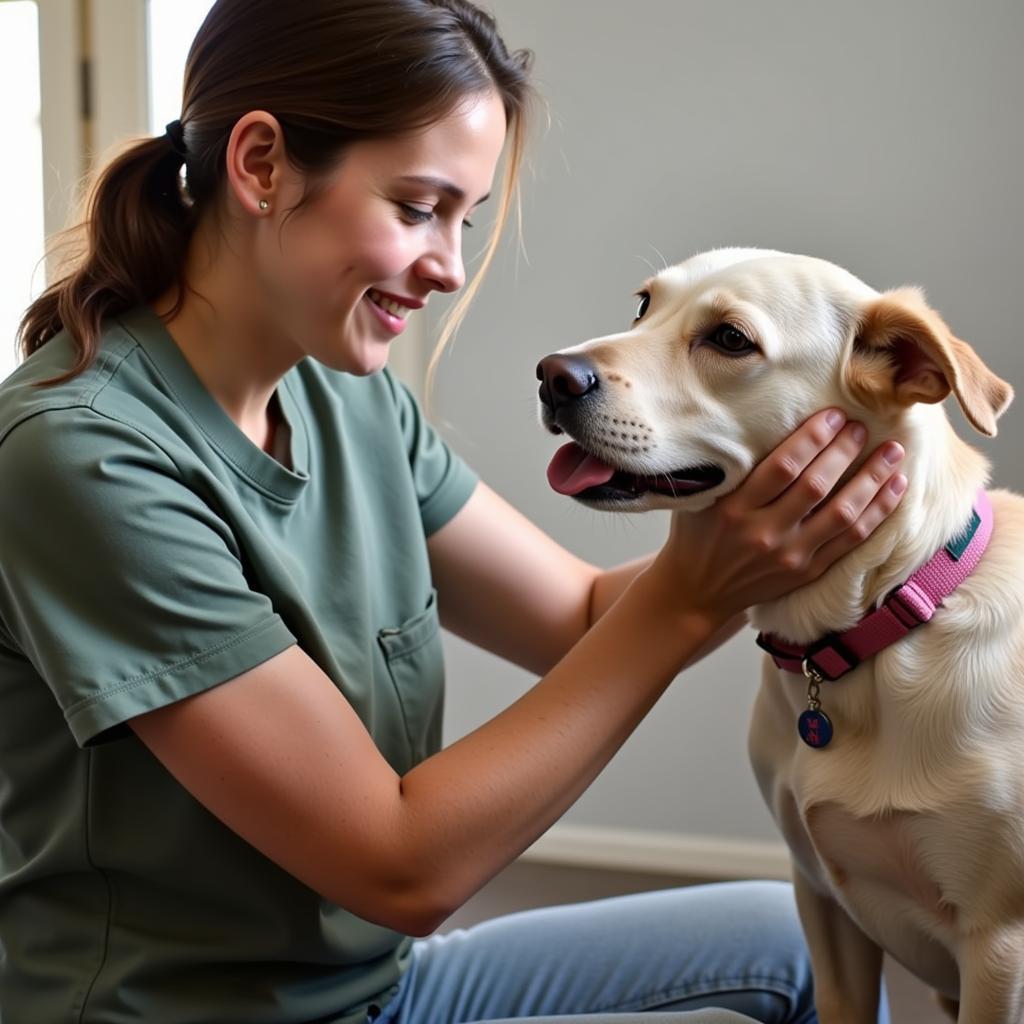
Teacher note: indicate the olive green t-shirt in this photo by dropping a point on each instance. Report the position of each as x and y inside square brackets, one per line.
[149, 551]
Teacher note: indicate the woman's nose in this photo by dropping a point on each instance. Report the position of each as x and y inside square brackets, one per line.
[443, 268]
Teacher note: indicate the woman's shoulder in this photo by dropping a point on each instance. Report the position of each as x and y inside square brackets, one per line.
[35, 386]
[46, 420]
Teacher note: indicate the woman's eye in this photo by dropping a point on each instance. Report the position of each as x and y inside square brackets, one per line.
[415, 213]
[645, 301]
[418, 215]
[731, 340]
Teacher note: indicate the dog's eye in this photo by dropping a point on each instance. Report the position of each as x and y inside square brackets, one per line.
[731, 340]
[645, 301]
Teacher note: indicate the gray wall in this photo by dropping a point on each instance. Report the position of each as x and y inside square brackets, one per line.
[885, 136]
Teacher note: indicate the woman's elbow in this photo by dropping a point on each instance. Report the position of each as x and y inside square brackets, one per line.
[411, 907]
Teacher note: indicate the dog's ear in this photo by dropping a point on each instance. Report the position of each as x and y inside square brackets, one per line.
[904, 353]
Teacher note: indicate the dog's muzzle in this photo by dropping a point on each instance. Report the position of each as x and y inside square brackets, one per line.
[571, 399]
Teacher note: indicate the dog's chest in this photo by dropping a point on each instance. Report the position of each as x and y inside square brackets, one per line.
[843, 816]
[878, 868]
[880, 858]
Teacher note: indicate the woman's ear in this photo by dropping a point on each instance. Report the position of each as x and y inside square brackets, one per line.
[904, 353]
[255, 160]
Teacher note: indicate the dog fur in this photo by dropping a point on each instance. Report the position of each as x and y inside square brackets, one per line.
[907, 831]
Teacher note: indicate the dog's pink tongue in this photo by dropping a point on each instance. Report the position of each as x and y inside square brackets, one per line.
[572, 470]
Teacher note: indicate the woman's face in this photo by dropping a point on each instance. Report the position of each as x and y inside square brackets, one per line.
[341, 275]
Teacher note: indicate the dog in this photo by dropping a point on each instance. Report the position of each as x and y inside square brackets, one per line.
[906, 831]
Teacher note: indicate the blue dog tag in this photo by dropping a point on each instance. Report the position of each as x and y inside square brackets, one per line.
[815, 728]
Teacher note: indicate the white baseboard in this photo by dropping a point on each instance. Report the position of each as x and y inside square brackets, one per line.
[666, 853]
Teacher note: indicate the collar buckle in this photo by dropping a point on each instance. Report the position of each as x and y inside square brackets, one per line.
[830, 658]
[910, 604]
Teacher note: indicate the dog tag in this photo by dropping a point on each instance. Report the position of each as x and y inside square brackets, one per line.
[815, 728]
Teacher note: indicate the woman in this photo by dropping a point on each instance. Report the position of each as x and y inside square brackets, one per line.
[226, 537]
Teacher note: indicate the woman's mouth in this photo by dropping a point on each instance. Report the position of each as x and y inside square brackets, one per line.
[390, 313]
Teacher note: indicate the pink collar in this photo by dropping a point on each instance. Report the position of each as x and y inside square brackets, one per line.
[905, 608]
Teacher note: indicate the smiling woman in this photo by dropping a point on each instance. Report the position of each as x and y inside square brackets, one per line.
[317, 115]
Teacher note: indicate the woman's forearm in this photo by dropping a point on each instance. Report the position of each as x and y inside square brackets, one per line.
[609, 584]
[612, 582]
[473, 807]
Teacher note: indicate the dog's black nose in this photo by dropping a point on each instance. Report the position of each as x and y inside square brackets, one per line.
[565, 379]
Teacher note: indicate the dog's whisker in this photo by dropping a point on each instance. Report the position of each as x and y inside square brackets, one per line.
[651, 266]
[661, 256]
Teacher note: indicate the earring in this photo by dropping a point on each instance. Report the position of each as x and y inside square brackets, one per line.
[264, 205]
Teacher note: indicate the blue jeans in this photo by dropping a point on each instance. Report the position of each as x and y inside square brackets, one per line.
[724, 953]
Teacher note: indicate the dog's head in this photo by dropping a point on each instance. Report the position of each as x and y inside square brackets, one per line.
[728, 353]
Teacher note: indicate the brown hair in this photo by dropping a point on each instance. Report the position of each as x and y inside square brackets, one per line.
[333, 72]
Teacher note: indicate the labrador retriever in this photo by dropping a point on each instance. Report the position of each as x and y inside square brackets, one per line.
[888, 732]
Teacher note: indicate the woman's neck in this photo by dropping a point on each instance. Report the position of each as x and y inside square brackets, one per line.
[221, 329]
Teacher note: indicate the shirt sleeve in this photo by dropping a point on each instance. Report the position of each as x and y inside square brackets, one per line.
[121, 586]
[442, 480]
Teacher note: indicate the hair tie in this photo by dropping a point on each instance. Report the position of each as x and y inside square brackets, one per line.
[176, 134]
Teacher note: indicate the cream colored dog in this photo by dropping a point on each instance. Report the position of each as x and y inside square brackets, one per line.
[907, 830]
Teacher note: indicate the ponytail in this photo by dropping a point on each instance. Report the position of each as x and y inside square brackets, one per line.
[135, 234]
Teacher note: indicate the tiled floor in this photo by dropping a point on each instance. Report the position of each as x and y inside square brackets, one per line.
[525, 885]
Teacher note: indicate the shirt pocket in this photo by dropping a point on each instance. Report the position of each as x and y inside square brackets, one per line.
[414, 656]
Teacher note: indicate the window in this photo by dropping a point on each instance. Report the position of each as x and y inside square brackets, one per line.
[21, 173]
[171, 27]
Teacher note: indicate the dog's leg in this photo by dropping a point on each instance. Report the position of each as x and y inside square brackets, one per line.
[847, 965]
[992, 977]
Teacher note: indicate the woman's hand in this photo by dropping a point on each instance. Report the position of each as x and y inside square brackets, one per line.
[776, 531]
